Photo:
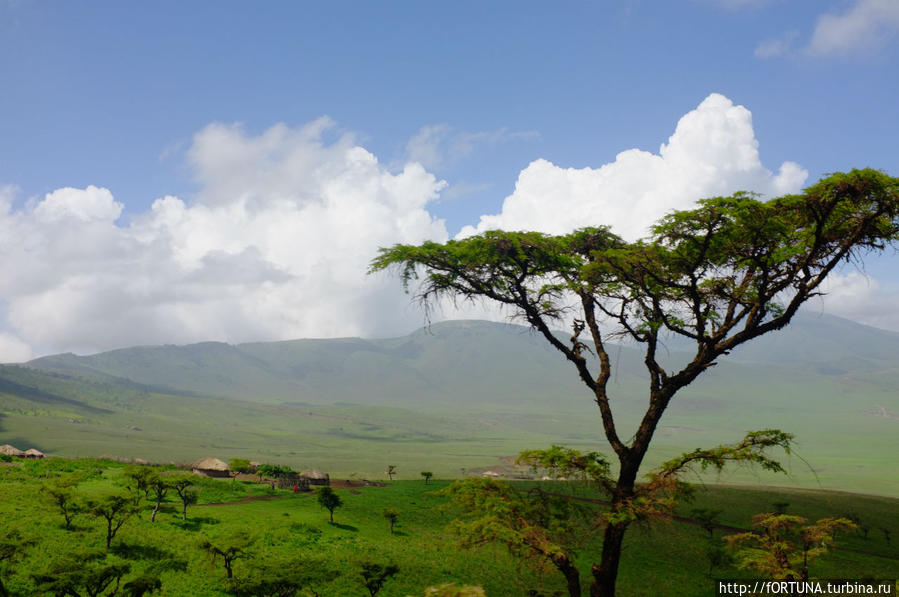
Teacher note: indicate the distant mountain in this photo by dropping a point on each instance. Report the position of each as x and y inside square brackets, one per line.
[470, 362]
[460, 390]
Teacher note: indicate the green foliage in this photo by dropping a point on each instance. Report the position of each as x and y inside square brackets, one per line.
[540, 527]
[141, 478]
[115, 509]
[392, 515]
[454, 590]
[275, 471]
[426, 475]
[86, 571]
[328, 499]
[231, 547]
[786, 544]
[239, 465]
[64, 498]
[375, 575]
[565, 463]
[284, 577]
[183, 486]
[707, 519]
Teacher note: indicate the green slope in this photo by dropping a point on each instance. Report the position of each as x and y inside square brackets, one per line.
[461, 394]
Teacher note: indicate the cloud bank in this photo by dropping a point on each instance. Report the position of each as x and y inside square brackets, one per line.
[277, 241]
[275, 246]
[712, 152]
[865, 24]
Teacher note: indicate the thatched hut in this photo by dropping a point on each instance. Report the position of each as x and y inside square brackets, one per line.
[210, 467]
[32, 453]
[11, 451]
[314, 477]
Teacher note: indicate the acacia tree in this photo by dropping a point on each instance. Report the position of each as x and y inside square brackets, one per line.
[784, 548]
[730, 270]
[328, 499]
[115, 510]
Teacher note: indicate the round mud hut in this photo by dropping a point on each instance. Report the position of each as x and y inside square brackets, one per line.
[211, 467]
[315, 477]
[11, 451]
[32, 453]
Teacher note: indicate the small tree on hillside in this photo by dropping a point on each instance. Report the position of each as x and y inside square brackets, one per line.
[375, 575]
[427, 476]
[392, 515]
[707, 519]
[239, 466]
[115, 510]
[140, 477]
[83, 572]
[231, 548]
[391, 471]
[66, 501]
[329, 500]
[722, 274]
[784, 548]
[183, 486]
[159, 487]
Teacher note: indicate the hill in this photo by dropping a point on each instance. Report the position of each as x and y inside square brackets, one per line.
[459, 394]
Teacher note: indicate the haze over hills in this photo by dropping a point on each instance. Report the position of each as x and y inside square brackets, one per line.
[467, 390]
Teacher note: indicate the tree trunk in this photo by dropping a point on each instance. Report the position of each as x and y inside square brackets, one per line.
[155, 510]
[332, 516]
[606, 573]
[572, 576]
[184, 512]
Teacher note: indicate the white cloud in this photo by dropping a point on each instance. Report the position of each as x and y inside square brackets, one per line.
[275, 246]
[866, 24]
[861, 298]
[713, 151]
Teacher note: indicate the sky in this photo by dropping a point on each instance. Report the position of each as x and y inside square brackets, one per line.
[175, 172]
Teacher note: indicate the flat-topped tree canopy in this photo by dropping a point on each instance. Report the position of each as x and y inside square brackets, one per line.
[721, 274]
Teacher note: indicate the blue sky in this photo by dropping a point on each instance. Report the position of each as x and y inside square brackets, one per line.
[458, 110]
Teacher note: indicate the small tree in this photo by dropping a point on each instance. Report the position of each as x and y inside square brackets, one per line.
[283, 577]
[183, 486]
[427, 476]
[717, 555]
[707, 519]
[159, 487]
[391, 514]
[329, 500]
[238, 466]
[391, 471]
[784, 548]
[115, 510]
[231, 548]
[66, 501]
[140, 477]
[375, 575]
[86, 571]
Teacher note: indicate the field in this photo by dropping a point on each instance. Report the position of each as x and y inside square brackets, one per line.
[665, 557]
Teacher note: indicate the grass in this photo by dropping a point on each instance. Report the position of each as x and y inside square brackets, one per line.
[664, 558]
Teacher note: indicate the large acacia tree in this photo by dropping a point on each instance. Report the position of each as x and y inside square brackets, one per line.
[730, 270]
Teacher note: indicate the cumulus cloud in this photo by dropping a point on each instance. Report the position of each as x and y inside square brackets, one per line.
[275, 246]
[713, 151]
[865, 24]
[277, 241]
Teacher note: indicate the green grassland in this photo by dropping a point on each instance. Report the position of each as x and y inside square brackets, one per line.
[661, 558]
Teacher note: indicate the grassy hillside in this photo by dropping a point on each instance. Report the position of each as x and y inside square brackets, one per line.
[665, 558]
[460, 395]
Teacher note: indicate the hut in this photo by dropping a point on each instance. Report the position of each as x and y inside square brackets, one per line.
[32, 453]
[210, 467]
[314, 477]
[11, 451]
